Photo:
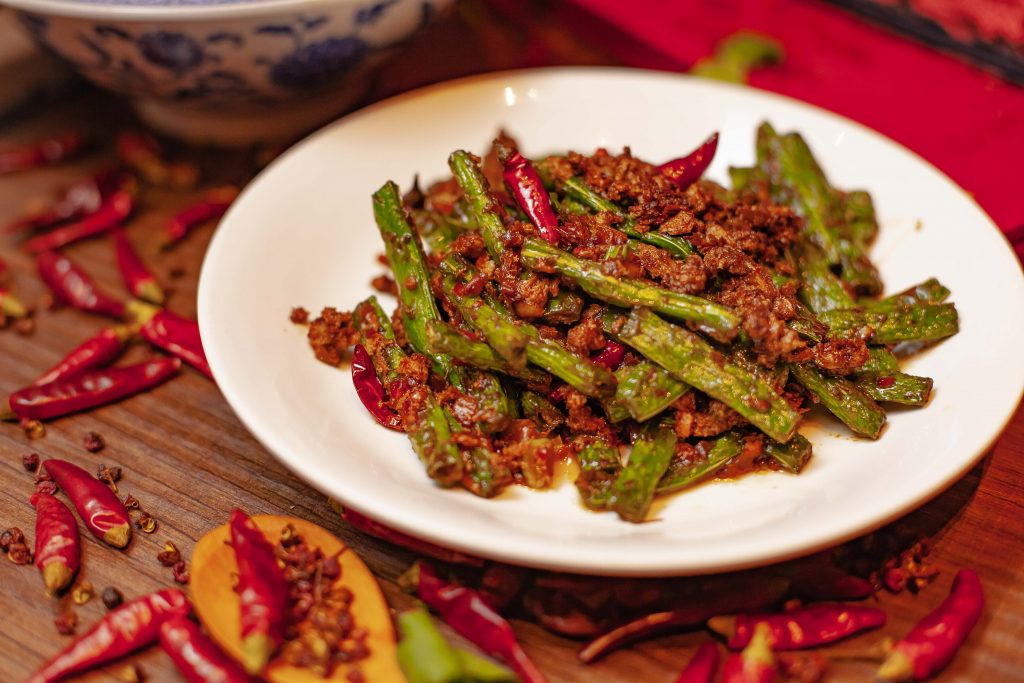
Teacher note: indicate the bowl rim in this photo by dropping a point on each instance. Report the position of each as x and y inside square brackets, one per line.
[234, 9]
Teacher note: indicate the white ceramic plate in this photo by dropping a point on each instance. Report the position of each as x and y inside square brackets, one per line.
[303, 234]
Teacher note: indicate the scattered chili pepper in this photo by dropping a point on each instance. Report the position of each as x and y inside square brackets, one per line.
[142, 152]
[30, 461]
[465, 610]
[610, 356]
[138, 279]
[33, 429]
[93, 442]
[146, 522]
[262, 593]
[66, 623]
[180, 572]
[686, 170]
[79, 199]
[43, 152]
[112, 212]
[196, 656]
[526, 186]
[934, 641]
[111, 597]
[368, 526]
[98, 507]
[800, 628]
[72, 285]
[169, 556]
[702, 666]
[755, 664]
[10, 536]
[123, 630]
[58, 550]
[371, 391]
[179, 337]
[90, 389]
[818, 578]
[82, 592]
[696, 610]
[109, 476]
[213, 205]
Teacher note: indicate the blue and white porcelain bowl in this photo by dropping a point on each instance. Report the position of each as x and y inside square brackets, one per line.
[228, 72]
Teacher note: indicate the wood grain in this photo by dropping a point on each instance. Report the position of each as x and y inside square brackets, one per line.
[189, 461]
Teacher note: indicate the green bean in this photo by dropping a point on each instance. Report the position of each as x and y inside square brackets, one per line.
[682, 473]
[842, 398]
[633, 489]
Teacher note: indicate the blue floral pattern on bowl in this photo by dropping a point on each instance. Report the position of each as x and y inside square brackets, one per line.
[244, 59]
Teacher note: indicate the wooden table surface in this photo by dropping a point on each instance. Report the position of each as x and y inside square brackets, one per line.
[189, 461]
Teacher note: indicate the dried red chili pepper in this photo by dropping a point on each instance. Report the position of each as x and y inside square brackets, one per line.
[610, 356]
[137, 277]
[49, 150]
[111, 213]
[214, 204]
[466, 611]
[756, 595]
[934, 641]
[90, 389]
[95, 352]
[386, 533]
[756, 664]
[72, 285]
[132, 626]
[58, 552]
[179, 337]
[97, 505]
[371, 391]
[142, 152]
[801, 628]
[818, 578]
[702, 666]
[686, 170]
[262, 593]
[196, 656]
[526, 186]
[79, 199]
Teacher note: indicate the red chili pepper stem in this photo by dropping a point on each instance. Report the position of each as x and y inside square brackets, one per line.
[196, 656]
[702, 667]
[756, 664]
[262, 591]
[177, 336]
[526, 186]
[934, 641]
[111, 213]
[101, 511]
[686, 170]
[58, 550]
[121, 631]
[137, 278]
[370, 390]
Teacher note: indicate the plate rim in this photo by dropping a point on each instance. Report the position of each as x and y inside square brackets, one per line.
[792, 550]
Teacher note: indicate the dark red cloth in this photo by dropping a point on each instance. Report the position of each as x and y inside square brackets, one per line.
[964, 120]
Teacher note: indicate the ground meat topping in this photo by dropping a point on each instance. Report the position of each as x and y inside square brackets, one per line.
[331, 335]
[841, 356]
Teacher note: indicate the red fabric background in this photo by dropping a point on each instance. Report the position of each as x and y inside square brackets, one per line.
[964, 120]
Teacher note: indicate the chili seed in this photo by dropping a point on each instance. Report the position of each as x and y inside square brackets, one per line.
[82, 592]
[111, 597]
[19, 553]
[66, 623]
[180, 572]
[146, 523]
[30, 461]
[169, 556]
[93, 442]
[11, 536]
[130, 502]
[34, 429]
